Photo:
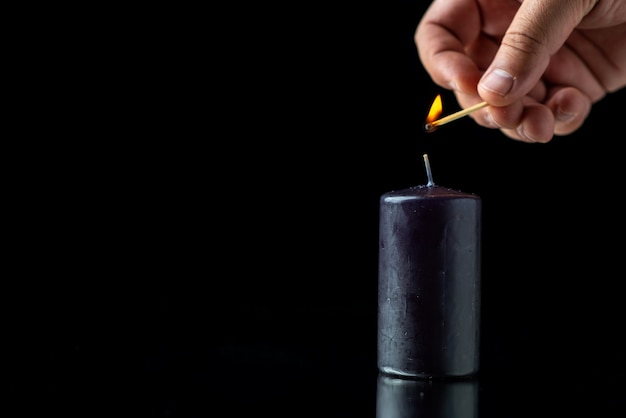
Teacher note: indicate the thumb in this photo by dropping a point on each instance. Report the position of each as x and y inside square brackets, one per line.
[538, 30]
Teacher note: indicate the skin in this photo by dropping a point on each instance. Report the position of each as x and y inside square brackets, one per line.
[548, 61]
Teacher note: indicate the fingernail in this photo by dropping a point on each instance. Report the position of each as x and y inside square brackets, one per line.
[564, 116]
[498, 81]
[522, 132]
[489, 119]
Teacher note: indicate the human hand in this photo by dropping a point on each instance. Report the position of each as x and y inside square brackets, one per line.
[540, 64]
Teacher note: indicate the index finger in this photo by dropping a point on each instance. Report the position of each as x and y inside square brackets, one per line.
[441, 42]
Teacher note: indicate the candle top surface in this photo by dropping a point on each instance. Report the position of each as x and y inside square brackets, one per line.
[427, 192]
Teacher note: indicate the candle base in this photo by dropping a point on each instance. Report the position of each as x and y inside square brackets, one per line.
[402, 374]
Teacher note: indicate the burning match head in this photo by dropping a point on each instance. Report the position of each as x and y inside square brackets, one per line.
[432, 123]
[433, 114]
[429, 127]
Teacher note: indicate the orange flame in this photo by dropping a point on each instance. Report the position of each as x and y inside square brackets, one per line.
[435, 110]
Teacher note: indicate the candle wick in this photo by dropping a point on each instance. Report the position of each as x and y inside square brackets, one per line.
[428, 172]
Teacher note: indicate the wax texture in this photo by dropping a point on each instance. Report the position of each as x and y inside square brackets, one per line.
[429, 273]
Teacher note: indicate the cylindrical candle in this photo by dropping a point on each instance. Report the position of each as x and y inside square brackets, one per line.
[429, 282]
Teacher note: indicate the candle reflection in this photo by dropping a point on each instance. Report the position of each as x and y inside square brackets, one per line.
[404, 398]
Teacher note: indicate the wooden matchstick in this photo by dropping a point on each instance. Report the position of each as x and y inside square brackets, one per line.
[431, 126]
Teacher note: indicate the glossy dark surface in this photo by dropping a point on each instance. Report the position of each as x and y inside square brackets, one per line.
[400, 398]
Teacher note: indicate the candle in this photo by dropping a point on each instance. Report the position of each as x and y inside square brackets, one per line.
[429, 282]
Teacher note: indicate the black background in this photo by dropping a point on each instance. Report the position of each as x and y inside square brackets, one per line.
[205, 221]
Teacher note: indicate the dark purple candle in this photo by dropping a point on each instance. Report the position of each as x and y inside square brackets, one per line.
[429, 282]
